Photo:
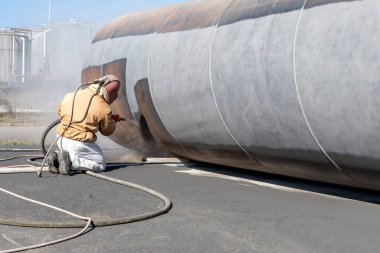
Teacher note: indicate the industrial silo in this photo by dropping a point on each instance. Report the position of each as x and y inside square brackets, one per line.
[39, 63]
[14, 56]
[66, 47]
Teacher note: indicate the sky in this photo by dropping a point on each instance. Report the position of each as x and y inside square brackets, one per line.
[35, 13]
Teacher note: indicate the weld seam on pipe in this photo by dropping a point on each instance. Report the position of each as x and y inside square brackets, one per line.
[300, 100]
[213, 93]
[148, 69]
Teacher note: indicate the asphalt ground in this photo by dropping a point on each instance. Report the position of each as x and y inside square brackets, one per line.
[215, 209]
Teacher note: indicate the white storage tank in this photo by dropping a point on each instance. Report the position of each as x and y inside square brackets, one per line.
[66, 48]
[15, 47]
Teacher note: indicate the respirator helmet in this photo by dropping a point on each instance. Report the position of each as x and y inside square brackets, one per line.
[107, 86]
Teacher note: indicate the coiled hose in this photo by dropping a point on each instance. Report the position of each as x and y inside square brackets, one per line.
[100, 222]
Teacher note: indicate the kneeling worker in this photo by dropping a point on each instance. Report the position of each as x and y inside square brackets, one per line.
[81, 117]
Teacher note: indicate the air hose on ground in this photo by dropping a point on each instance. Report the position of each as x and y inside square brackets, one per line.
[96, 222]
[81, 224]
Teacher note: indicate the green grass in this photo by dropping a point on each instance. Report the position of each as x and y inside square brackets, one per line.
[24, 120]
[18, 143]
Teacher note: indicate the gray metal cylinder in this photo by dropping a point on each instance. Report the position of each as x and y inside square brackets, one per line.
[288, 87]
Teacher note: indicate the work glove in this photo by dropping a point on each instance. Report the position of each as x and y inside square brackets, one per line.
[115, 117]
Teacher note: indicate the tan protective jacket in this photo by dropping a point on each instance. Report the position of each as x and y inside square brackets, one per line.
[97, 118]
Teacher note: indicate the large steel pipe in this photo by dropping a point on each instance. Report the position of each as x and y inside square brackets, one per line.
[285, 86]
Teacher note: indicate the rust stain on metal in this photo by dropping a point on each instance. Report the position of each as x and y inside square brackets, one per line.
[127, 133]
[157, 128]
[117, 67]
[107, 30]
[121, 105]
[143, 22]
[195, 15]
[199, 14]
[187, 16]
[90, 73]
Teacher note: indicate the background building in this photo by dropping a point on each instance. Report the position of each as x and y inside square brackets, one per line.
[50, 54]
[15, 55]
[38, 66]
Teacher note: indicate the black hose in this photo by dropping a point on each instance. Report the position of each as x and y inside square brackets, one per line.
[45, 133]
[96, 222]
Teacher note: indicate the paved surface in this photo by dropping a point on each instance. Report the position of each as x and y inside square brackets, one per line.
[215, 209]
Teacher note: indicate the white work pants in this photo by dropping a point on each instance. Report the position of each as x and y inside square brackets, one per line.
[83, 155]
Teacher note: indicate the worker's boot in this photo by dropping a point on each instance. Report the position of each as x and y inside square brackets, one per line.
[64, 163]
[53, 163]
